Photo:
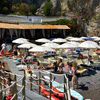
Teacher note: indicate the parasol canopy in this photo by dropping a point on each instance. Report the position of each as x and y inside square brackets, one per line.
[51, 45]
[76, 39]
[20, 41]
[40, 49]
[89, 45]
[42, 40]
[27, 45]
[70, 45]
[59, 40]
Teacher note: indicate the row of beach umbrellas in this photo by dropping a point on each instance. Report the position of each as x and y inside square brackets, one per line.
[61, 40]
[58, 40]
[50, 46]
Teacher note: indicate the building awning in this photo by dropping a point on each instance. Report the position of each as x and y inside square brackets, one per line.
[28, 26]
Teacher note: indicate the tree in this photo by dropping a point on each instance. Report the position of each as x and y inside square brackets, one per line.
[48, 8]
[24, 9]
[5, 10]
[5, 7]
[33, 9]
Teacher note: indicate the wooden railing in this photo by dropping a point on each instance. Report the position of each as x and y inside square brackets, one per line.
[17, 83]
[35, 80]
[39, 79]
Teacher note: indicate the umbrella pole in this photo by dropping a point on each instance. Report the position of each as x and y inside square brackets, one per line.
[43, 32]
[88, 56]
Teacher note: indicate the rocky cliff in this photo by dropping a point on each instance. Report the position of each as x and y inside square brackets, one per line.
[59, 6]
[88, 11]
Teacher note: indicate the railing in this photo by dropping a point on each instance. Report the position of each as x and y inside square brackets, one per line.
[35, 81]
[18, 85]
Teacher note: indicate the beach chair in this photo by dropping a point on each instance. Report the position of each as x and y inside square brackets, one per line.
[82, 68]
[82, 71]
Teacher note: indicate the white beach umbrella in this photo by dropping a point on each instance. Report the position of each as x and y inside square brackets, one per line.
[27, 45]
[76, 39]
[43, 40]
[59, 40]
[96, 38]
[70, 45]
[20, 41]
[40, 49]
[67, 38]
[83, 37]
[51, 45]
[88, 45]
[74, 43]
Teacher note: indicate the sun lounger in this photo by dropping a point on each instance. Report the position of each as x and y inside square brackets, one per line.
[82, 71]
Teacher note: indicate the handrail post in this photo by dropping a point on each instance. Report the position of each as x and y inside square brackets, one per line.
[15, 79]
[50, 85]
[65, 92]
[68, 89]
[39, 82]
[0, 83]
[1, 94]
[23, 84]
[31, 81]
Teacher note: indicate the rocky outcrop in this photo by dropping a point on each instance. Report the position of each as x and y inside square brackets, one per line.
[86, 12]
[94, 24]
[86, 9]
[40, 11]
[56, 8]
[64, 7]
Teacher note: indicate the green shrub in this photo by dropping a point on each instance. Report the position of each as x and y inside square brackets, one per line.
[47, 8]
[5, 6]
[23, 9]
[33, 9]
[64, 22]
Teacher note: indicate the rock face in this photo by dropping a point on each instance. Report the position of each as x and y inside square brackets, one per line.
[88, 9]
[64, 7]
[94, 24]
[56, 9]
[59, 6]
